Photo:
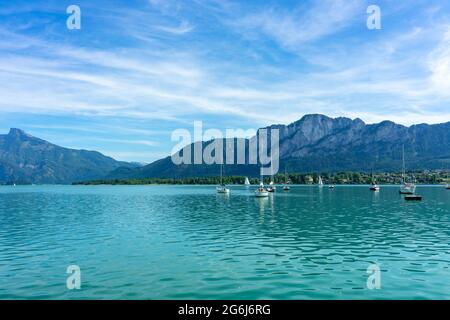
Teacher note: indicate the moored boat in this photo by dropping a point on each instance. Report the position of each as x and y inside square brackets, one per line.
[261, 192]
[271, 187]
[320, 183]
[413, 197]
[222, 188]
[406, 187]
[374, 186]
[286, 183]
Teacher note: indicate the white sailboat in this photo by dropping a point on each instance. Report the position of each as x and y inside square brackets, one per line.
[247, 182]
[320, 182]
[447, 186]
[261, 192]
[374, 186]
[286, 182]
[271, 187]
[222, 188]
[406, 187]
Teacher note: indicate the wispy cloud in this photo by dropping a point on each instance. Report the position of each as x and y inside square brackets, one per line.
[439, 64]
[163, 64]
[292, 28]
[182, 28]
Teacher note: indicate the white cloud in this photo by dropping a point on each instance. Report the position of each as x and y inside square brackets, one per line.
[183, 28]
[439, 65]
[293, 28]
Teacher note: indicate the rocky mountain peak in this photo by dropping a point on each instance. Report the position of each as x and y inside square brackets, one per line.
[14, 132]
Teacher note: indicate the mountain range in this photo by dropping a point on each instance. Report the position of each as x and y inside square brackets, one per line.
[315, 143]
[27, 159]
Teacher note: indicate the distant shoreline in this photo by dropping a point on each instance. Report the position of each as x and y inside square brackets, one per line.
[206, 185]
[342, 178]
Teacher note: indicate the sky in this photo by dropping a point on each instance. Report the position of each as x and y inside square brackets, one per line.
[137, 70]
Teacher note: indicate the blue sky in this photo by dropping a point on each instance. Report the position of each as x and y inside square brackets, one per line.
[138, 69]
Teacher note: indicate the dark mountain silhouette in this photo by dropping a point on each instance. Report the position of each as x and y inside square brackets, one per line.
[27, 159]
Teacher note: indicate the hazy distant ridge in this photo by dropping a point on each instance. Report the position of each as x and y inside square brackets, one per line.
[27, 159]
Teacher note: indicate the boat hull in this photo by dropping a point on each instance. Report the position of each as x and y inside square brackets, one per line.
[413, 198]
[407, 189]
[222, 190]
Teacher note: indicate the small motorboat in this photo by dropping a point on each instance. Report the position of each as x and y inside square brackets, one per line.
[286, 188]
[413, 197]
[374, 187]
[331, 186]
[447, 187]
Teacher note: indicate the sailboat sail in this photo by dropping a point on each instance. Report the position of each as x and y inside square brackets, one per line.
[406, 187]
[286, 181]
[222, 188]
[261, 192]
[320, 181]
[247, 182]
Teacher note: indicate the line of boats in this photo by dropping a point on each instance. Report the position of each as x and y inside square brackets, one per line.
[407, 189]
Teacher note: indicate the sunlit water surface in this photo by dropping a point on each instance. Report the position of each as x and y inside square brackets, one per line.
[187, 242]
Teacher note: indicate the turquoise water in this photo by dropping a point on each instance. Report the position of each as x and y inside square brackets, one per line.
[187, 242]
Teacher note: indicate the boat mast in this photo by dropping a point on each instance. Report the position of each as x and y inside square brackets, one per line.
[260, 176]
[403, 165]
[285, 175]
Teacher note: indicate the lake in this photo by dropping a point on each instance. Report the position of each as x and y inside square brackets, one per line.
[187, 242]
